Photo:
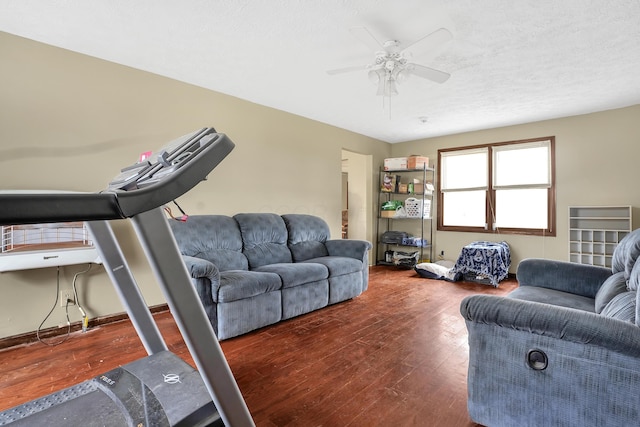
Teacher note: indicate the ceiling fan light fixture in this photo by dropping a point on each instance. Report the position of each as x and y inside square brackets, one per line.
[374, 76]
[391, 65]
[388, 88]
[390, 44]
[393, 90]
[400, 75]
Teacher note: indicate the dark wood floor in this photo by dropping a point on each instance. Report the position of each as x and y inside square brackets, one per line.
[394, 356]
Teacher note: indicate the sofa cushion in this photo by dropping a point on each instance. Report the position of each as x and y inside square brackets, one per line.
[215, 238]
[307, 236]
[338, 265]
[622, 307]
[633, 283]
[626, 253]
[553, 297]
[614, 285]
[295, 274]
[237, 284]
[265, 238]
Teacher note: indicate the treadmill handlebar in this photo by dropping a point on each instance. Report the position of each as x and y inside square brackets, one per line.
[141, 187]
[46, 207]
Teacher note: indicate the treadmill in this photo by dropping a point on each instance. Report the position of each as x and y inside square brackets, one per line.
[160, 389]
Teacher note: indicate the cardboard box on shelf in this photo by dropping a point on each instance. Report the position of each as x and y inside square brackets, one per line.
[417, 162]
[395, 163]
[422, 189]
[402, 188]
[388, 209]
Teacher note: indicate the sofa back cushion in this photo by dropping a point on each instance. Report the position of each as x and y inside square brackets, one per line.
[307, 236]
[215, 238]
[622, 307]
[614, 285]
[626, 253]
[633, 282]
[265, 238]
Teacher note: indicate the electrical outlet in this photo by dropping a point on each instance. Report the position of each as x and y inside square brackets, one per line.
[66, 298]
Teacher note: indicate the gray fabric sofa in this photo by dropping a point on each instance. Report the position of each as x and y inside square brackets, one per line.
[255, 269]
[563, 349]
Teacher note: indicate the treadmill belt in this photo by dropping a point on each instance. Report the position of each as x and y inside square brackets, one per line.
[114, 399]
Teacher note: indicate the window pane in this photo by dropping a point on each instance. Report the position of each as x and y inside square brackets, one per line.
[522, 164]
[522, 208]
[464, 169]
[464, 208]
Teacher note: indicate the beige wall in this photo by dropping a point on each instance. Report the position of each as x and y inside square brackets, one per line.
[70, 122]
[596, 164]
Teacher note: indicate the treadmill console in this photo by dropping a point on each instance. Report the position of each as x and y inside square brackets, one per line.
[138, 188]
[166, 161]
[162, 177]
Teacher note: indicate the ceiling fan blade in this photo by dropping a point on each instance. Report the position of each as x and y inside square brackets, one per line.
[348, 69]
[429, 42]
[362, 34]
[428, 73]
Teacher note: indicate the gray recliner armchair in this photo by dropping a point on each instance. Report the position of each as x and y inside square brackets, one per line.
[563, 349]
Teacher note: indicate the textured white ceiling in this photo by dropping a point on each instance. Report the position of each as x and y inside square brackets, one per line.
[510, 61]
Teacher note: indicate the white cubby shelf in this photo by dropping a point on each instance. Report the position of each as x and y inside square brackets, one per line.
[594, 232]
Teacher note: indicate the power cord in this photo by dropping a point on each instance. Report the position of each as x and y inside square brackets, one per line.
[55, 303]
[85, 318]
[182, 218]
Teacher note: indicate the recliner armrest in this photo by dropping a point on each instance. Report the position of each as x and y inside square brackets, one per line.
[348, 248]
[579, 279]
[553, 321]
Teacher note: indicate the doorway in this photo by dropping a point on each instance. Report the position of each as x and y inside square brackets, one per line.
[356, 195]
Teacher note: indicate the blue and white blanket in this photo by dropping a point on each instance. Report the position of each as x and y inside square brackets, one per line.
[487, 259]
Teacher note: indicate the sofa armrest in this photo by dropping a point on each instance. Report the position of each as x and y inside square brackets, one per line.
[201, 268]
[348, 248]
[579, 279]
[205, 277]
[561, 323]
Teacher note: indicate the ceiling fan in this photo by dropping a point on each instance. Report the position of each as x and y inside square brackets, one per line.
[391, 64]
